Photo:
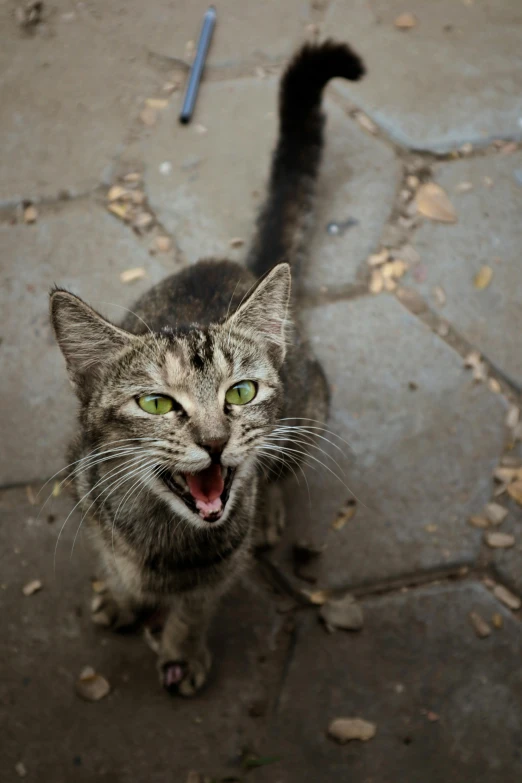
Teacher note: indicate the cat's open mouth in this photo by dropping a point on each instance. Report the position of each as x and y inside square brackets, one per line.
[206, 493]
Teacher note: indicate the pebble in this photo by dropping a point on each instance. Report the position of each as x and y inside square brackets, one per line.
[345, 613]
[507, 597]
[481, 627]
[346, 729]
[500, 540]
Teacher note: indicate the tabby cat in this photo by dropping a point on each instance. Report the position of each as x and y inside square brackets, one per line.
[189, 410]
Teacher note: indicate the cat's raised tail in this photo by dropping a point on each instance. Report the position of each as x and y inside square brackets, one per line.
[282, 223]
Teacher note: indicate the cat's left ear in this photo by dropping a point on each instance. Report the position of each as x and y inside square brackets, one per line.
[266, 310]
[87, 340]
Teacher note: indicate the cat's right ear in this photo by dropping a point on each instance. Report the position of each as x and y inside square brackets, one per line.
[87, 340]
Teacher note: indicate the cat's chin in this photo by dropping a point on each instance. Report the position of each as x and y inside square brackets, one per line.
[192, 490]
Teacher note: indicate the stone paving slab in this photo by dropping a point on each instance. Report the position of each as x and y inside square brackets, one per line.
[419, 459]
[247, 33]
[456, 77]
[487, 232]
[416, 655]
[217, 178]
[138, 734]
[69, 95]
[85, 249]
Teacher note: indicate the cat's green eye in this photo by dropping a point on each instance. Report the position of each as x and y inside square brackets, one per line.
[241, 393]
[155, 403]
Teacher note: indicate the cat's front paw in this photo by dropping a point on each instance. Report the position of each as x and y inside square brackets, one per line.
[185, 677]
[106, 612]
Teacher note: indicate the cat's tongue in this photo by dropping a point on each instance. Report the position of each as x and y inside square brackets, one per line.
[206, 488]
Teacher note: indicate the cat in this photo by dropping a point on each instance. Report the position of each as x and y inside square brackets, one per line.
[194, 407]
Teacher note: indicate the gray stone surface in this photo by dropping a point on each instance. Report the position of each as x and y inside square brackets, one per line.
[419, 461]
[416, 655]
[217, 179]
[247, 33]
[80, 247]
[138, 734]
[69, 94]
[456, 77]
[487, 232]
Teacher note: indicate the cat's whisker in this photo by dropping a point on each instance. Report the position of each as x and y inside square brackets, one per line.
[115, 471]
[309, 432]
[136, 468]
[146, 472]
[88, 459]
[322, 427]
[308, 445]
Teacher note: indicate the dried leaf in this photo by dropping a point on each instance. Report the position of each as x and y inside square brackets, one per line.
[464, 187]
[377, 259]
[143, 221]
[366, 123]
[170, 87]
[236, 242]
[512, 417]
[30, 495]
[157, 103]
[30, 214]
[92, 686]
[394, 269]
[483, 278]
[148, 116]
[432, 202]
[98, 586]
[130, 275]
[405, 21]
[494, 385]
[507, 597]
[96, 603]
[32, 587]
[480, 522]
[346, 729]
[346, 513]
[317, 597]
[481, 627]
[116, 193]
[439, 295]
[162, 244]
[497, 620]
[495, 513]
[515, 491]
[345, 613]
[376, 282]
[499, 540]
[506, 475]
[122, 211]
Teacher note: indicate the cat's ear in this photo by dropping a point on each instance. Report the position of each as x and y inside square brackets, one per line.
[87, 340]
[266, 310]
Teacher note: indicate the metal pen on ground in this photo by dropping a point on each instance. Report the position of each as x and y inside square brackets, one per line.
[189, 101]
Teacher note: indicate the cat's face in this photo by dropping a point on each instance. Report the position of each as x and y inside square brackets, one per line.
[185, 413]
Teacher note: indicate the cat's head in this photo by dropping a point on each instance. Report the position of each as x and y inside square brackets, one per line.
[182, 412]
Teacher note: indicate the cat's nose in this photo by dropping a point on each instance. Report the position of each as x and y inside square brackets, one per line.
[214, 447]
